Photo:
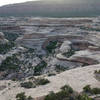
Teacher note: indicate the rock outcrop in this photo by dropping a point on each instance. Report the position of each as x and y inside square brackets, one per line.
[2, 38]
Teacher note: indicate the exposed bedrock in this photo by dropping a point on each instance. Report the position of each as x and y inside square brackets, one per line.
[83, 52]
[85, 60]
[81, 44]
[61, 38]
[2, 38]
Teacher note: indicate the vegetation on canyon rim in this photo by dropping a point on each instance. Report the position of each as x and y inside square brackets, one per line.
[67, 93]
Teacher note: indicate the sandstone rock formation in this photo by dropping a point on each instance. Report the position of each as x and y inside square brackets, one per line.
[2, 38]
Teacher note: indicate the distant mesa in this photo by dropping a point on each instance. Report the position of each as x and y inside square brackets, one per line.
[53, 8]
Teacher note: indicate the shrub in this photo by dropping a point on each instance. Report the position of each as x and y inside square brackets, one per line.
[29, 98]
[36, 82]
[66, 93]
[42, 81]
[14, 79]
[91, 91]
[27, 85]
[51, 96]
[51, 74]
[38, 69]
[87, 88]
[62, 95]
[51, 46]
[30, 50]
[4, 48]
[10, 63]
[67, 88]
[22, 96]
[96, 90]
[60, 68]
[11, 36]
[83, 97]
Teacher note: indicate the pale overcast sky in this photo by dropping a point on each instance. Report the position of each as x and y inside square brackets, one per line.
[4, 2]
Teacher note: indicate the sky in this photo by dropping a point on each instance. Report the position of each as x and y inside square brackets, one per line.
[4, 2]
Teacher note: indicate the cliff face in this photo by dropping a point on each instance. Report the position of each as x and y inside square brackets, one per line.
[53, 8]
